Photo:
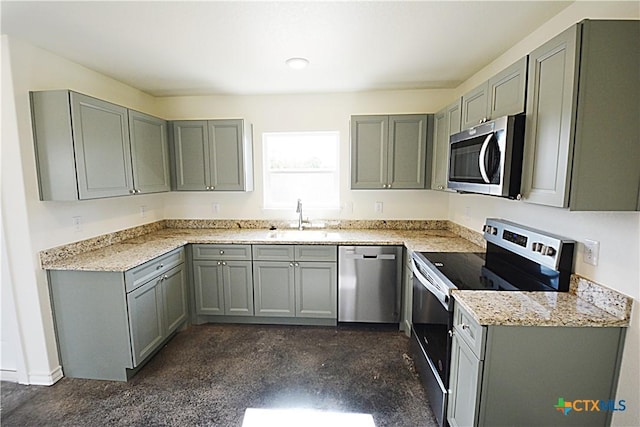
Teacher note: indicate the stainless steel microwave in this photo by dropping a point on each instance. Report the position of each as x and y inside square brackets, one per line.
[487, 158]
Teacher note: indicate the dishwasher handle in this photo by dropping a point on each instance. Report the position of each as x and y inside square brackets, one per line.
[363, 256]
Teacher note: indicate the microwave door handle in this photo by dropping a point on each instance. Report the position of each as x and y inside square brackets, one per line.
[483, 153]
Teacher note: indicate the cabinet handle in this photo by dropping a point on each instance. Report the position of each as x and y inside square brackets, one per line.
[165, 277]
[451, 333]
[290, 264]
[464, 326]
[388, 185]
[224, 263]
[160, 266]
[221, 252]
[132, 191]
[219, 262]
[440, 187]
[296, 264]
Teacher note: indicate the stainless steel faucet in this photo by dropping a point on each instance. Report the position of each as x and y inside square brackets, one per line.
[299, 212]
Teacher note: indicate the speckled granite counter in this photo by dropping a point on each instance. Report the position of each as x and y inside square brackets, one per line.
[587, 303]
[130, 253]
[516, 308]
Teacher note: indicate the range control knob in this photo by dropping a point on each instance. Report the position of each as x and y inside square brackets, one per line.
[490, 229]
[550, 251]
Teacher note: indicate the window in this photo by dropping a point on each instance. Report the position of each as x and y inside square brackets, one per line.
[301, 165]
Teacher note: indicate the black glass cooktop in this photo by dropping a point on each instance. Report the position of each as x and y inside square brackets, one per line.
[497, 269]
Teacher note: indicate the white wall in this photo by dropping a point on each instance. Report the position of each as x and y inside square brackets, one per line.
[326, 112]
[617, 232]
[31, 225]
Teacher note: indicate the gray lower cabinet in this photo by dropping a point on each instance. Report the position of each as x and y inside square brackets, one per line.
[274, 287]
[446, 122]
[503, 94]
[87, 148]
[295, 281]
[407, 293]
[391, 152]
[514, 375]
[212, 155]
[223, 280]
[581, 137]
[109, 323]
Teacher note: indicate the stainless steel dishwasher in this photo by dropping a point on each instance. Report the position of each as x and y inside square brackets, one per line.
[369, 283]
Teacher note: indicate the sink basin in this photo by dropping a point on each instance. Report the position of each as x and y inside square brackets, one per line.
[303, 235]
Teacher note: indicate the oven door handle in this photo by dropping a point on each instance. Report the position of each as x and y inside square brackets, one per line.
[444, 299]
[481, 158]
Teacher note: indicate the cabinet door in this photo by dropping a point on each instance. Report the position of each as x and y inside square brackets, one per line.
[474, 106]
[369, 151]
[174, 295]
[454, 116]
[548, 146]
[408, 151]
[238, 288]
[102, 148]
[464, 385]
[507, 90]
[316, 289]
[273, 283]
[191, 155]
[208, 287]
[149, 153]
[226, 155]
[440, 150]
[146, 323]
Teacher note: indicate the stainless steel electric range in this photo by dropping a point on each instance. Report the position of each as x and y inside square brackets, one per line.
[517, 258]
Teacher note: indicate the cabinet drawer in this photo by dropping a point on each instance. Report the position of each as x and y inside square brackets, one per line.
[273, 252]
[222, 252]
[469, 330]
[316, 253]
[143, 273]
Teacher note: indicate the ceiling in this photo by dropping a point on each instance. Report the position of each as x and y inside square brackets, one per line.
[240, 47]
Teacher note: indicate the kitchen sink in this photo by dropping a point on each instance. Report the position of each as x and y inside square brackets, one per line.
[303, 235]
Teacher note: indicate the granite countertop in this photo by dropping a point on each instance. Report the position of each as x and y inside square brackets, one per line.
[514, 308]
[587, 303]
[138, 250]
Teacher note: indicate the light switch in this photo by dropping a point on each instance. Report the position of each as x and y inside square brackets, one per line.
[378, 207]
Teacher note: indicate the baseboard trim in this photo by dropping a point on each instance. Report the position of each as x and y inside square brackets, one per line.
[8, 375]
[46, 379]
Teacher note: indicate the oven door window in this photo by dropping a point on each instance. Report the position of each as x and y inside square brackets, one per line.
[476, 160]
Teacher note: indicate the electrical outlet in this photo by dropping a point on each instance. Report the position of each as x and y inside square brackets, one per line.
[591, 251]
[378, 207]
[143, 211]
[215, 207]
[77, 223]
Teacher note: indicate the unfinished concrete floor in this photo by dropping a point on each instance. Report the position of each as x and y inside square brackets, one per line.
[209, 375]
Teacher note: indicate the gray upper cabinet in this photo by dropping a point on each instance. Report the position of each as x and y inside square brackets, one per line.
[503, 94]
[446, 122]
[507, 90]
[582, 133]
[212, 155]
[474, 106]
[390, 151]
[149, 153]
[84, 148]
